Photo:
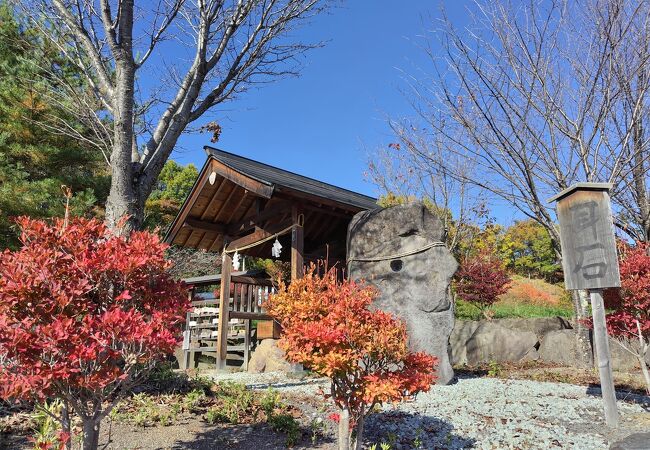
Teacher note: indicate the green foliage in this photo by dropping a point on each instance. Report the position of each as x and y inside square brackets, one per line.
[34, 160]
[494, 369]
[467, 311]
[46, 428]
[287, 424]
[235, 402]
[144, 410]
[269, 401]
[527, 250]
[174, 185]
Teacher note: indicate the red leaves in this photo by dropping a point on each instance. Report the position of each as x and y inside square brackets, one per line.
[632, 302]
[481, 279]
[80, 308]
[328, 327]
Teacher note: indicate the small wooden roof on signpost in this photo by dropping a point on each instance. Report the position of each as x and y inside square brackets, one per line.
[239, 201]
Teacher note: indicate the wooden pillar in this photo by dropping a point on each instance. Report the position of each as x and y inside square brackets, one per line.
[297, 243]
[224, 311]
[601, 341]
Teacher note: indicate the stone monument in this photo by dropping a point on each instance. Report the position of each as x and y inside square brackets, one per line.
[400, 250]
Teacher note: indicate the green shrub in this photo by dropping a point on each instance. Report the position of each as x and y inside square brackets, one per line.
[287, 424]
[269, 401]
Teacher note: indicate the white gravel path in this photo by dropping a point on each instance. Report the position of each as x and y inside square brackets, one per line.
[487, 413]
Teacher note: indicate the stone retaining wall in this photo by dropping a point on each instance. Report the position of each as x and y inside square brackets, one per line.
[549, 339]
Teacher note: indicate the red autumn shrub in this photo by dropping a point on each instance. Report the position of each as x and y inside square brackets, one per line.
[84, 315]
[629, 320]
[328, 327]
[480, 280]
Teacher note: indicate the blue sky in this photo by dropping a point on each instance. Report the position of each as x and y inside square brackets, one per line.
[323, 123]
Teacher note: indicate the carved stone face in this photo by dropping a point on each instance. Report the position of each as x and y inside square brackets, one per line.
[417, 281]
[412, 279]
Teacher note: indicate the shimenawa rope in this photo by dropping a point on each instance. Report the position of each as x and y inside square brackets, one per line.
[399, 255]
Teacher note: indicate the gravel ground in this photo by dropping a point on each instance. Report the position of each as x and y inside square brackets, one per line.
[488, 413]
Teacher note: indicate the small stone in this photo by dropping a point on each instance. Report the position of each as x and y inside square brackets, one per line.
[636, 441]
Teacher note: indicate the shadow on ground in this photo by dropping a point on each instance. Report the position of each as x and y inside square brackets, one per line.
[406, 430]
[249, 437]
[624, 395]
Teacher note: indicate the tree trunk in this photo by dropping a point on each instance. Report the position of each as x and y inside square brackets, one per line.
[90, 434]
[65, 424]
[643, 349]
[123, 202]
[358, 438]
[344, 429]
[645, 371]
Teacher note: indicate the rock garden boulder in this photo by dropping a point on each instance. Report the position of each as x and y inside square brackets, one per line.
[493, 342]
[268, 357]
[400, 250]
[538, 325]
[562, 347]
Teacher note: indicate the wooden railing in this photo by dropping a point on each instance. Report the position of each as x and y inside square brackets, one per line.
[204, 322]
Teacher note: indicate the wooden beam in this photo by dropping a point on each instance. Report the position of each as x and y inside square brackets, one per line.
[213, 199]
[189, 202]
[258, 235]
[203, 225]
[235, 188]
[248, 183]
[237, 206]
[296, 195]
[224, 310]
[297, 242]
[323, 209]
[257, 219]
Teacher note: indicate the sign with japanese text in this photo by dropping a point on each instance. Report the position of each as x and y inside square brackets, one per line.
[589, 256]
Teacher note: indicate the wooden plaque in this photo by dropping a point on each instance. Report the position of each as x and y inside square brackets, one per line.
[589, 257]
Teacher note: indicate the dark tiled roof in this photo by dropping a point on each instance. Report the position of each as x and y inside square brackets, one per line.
[278, 177]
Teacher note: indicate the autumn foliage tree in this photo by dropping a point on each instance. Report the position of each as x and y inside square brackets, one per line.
[329, 328]
[84, 315]
[629, 320]
[480, 280]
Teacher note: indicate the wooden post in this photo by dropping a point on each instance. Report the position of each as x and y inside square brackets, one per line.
[297, 243]
[247, 343]
[590, 262]
[224, 310]
[601, 342]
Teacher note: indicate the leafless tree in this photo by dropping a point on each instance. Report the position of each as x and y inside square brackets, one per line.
[416, 166]
[229, 45]
[535, 96]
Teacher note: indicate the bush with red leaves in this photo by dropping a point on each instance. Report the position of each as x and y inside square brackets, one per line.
[328, 327]
[629, 320]
[480, 280]
[84, 315]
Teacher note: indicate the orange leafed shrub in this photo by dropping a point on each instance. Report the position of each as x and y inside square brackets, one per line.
[530, 293]
[328, 327]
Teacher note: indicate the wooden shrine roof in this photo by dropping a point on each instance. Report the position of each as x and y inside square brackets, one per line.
[233, 196]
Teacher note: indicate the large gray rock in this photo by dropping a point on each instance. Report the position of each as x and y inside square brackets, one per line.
[268, 357]
[493, 342]
[621, 358]
[562, 347]
[462, 332]
[415, 286]
[539, 325]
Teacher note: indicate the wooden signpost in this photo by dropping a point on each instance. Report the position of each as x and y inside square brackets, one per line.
[590, 262]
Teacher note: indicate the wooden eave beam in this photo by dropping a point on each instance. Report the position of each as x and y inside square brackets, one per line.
[203, 225]
[297, 196]
[258, 235]
[248, 183]
[189, 202]
[257, 219]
